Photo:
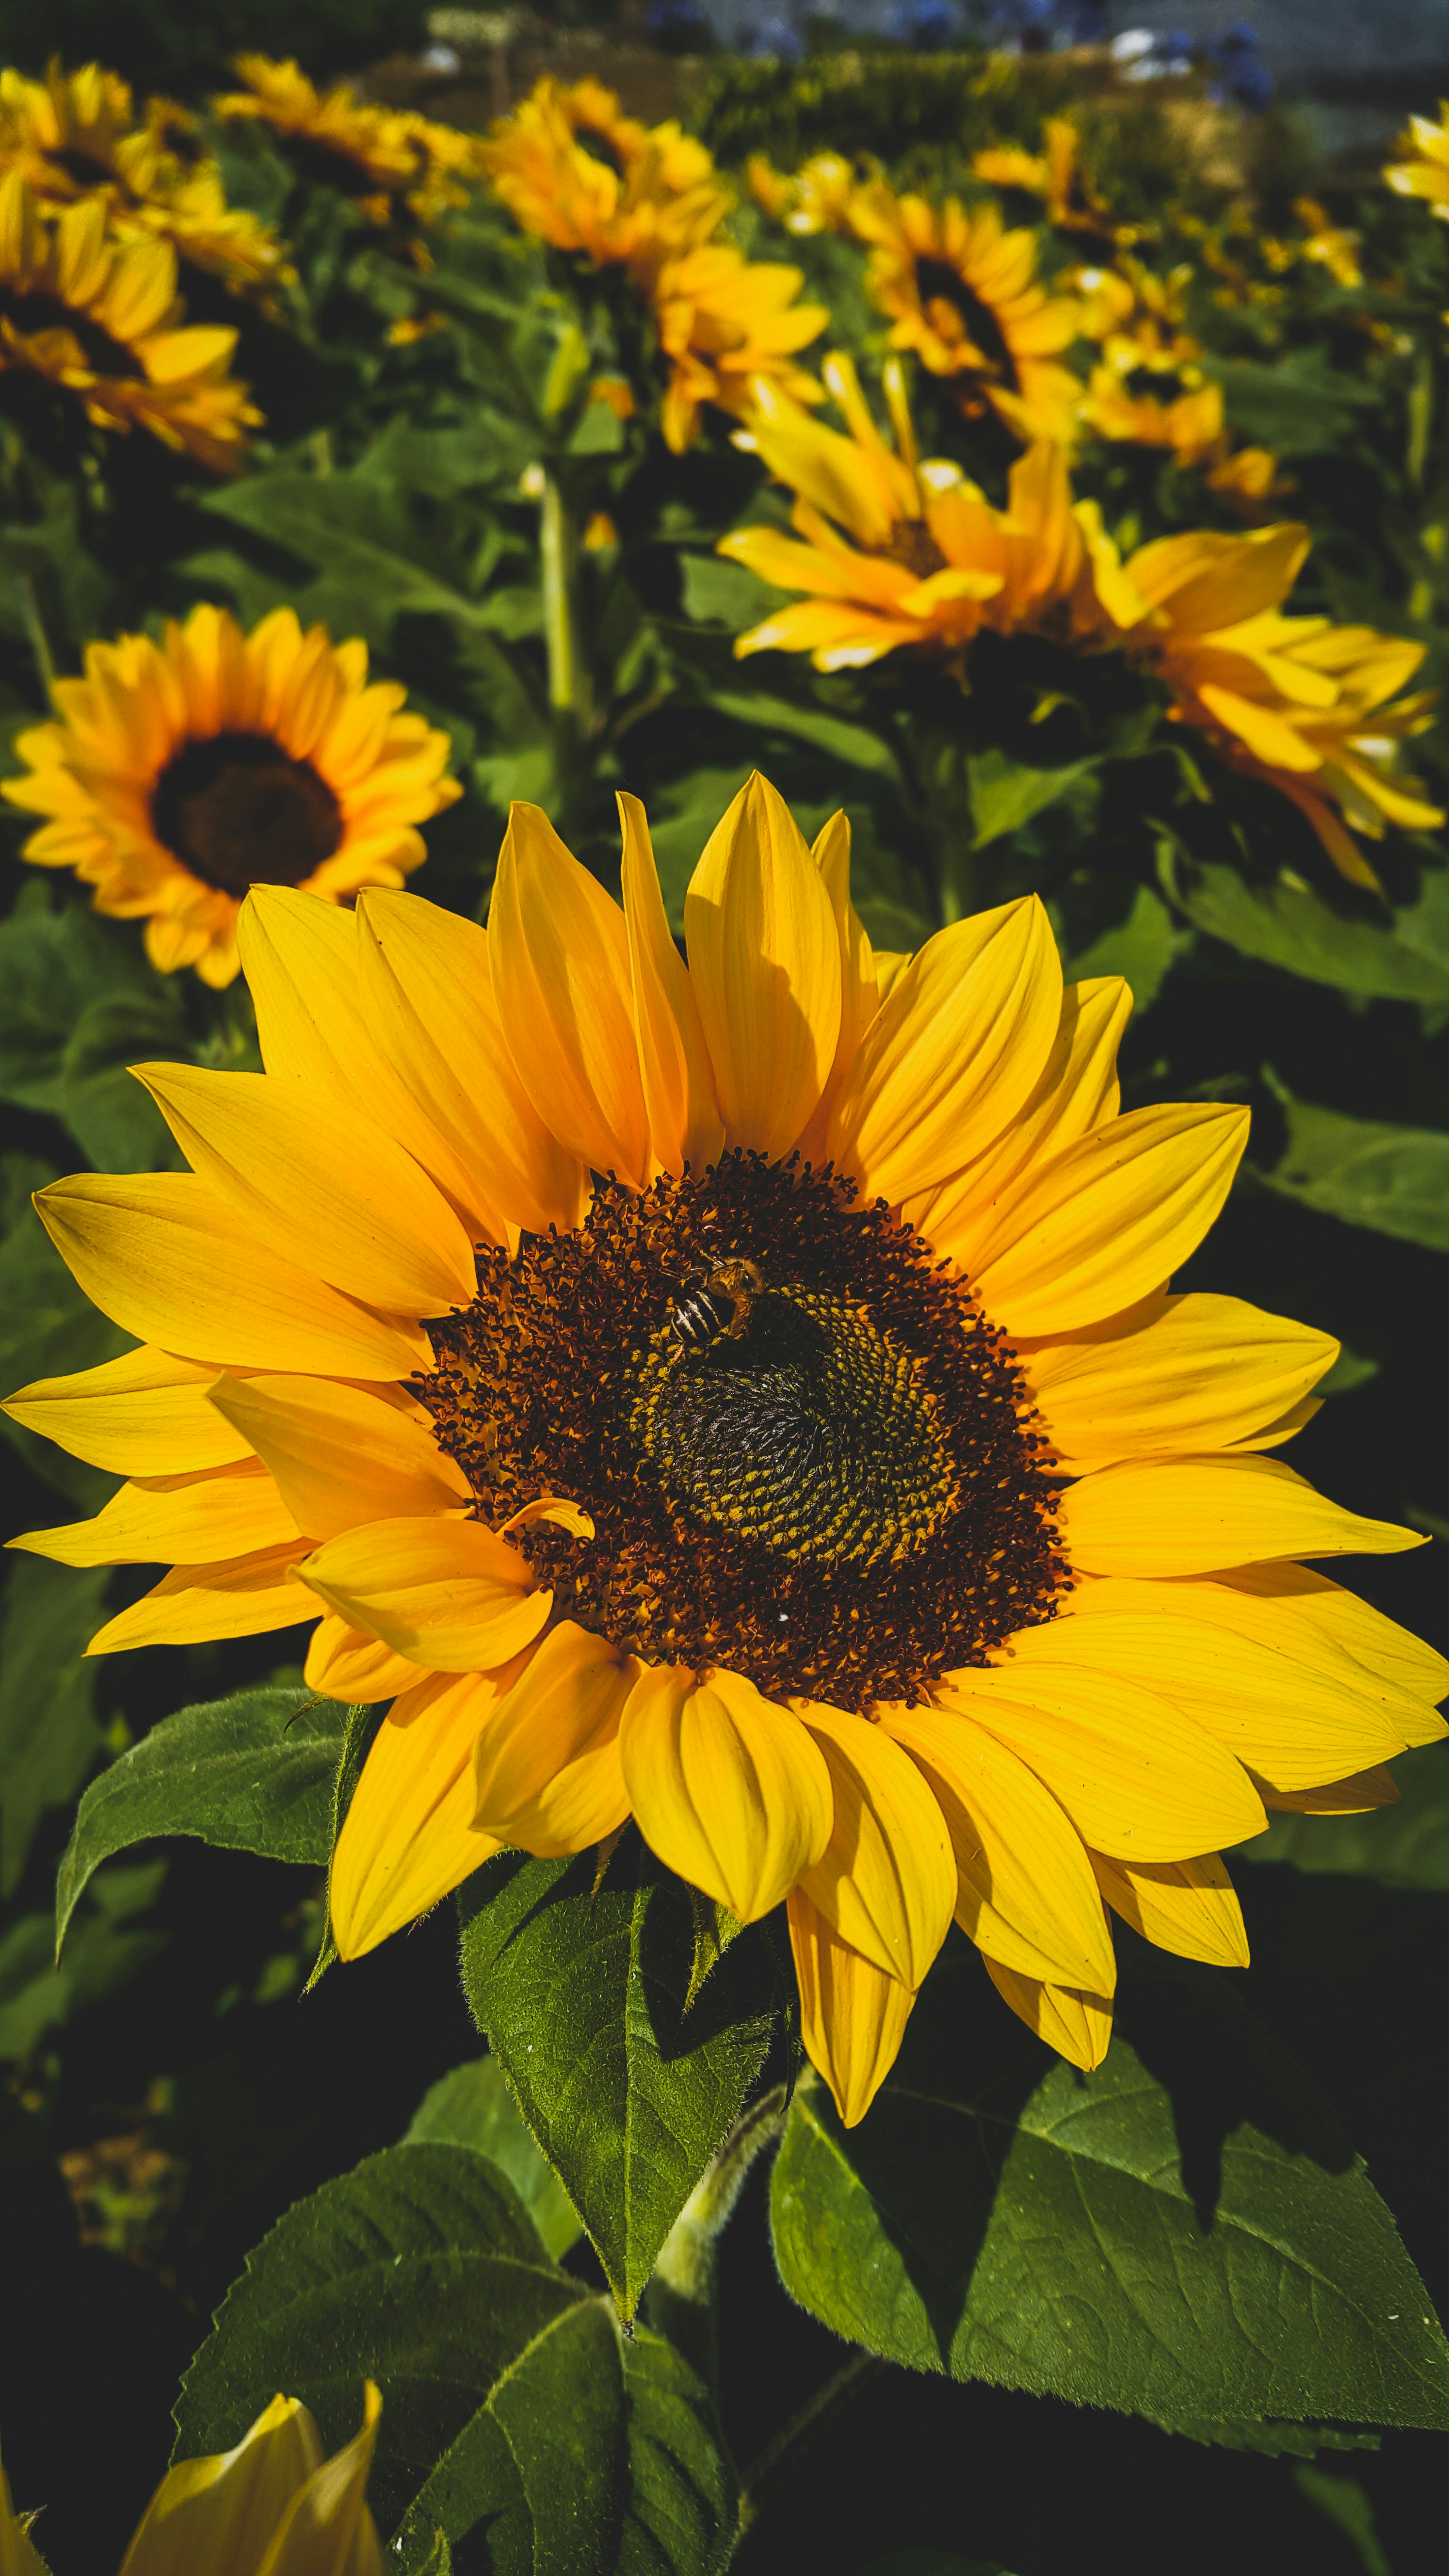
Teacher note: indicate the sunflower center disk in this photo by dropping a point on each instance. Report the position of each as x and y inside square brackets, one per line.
[239, 811]
[839, 1492]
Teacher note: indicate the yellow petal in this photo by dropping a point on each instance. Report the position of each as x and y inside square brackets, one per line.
[316, 1179]
[408, 1838]
[160, 1255]
[1025, 1887]
[1186, 1906]
[859, 997]
[341, 1454]
[1137, 1778]
[547, 1770]
[1103, 1224]
[426, 980]
[346, 1664]
[1358, 1795]
[1194, 1515]
[220, 2512]
[1202, 1374]
[852, 2015]
[144, 1414]
[327, 2530]
[952, 1055]
[1077, 2025]
[559, 950]
[685, 1127]
[726, 1787]
[1391, 1654]
[245, 1597]
[764, 962]
[886, 1879]
[232, 1511]
[450, 1594]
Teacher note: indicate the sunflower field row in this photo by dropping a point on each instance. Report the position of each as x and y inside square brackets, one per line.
[682, 804]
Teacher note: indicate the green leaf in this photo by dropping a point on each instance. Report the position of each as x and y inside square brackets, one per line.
[1005, 793]
[831, 734]
[1392, 1179]
[1185, 2233]
[48, 1327]
[507, 2397]
[354, 532]
[57, 967]
[252, 1773]
[115, 1120]
[1302, 406]
[1291, 926]
[714, 592]
[472, 2107]
[49, 1734]
[582, 2000]
[1343, 2502]
[107, 1949]
[1403, 1846]
[1142, 948]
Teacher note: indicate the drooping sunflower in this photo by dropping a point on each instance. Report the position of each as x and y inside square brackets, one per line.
[898, 550]
[275, 2502]
[99, 317]
[178, 774]
[963, 292]
[383, 156]
[574, 171]
[75, 134]
[732, 1396]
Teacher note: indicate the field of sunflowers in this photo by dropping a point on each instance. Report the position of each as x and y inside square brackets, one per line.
[724, 989]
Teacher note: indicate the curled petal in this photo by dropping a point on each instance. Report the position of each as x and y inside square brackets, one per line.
[546, 1768]
[450, 1594]
[728, 1788]
[852, 2014]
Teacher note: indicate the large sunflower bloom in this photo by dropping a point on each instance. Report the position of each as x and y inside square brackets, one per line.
[380, 155]
[76, 133]
[903, 551]
[100, 318]
[722, 1395]
[964, 294]
[179, 774]
[276, 2502]
[576, 172]
[1295, 701]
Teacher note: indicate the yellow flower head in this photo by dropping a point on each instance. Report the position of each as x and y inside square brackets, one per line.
[964, 294]
[99, 317]
[1191, 424]
[1327, 245]
[575, 171]
[741, 1395]
[1055, 173]
[76, 133]
[817, 199]
[276, 2501]
[726, 323]
[902, 551]
[1426, 171]
[378, 154]
[178, 774]
[1295, 701]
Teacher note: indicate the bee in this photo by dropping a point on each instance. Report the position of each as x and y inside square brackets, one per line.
[716, 1308]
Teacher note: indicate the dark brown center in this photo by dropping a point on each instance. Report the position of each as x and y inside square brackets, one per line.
[844, 1499]
[912, 544]
[238, 811]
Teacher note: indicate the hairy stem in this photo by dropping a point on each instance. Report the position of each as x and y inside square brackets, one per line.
[681, 2297]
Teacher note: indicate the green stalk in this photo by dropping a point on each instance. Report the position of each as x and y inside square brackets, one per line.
[558, 542]
[681, 2299]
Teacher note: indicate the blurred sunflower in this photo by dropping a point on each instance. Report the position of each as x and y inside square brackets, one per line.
[817, 198]
[179, 774]
[930, 1569]
[1056, 174]
[1295, 701]
[100, 318]
[1425, 173]
[574, 171]
[903, 551]
[76, 134]
[382, 156]
[964, 294]
[275, 2502]
[1148, 411]
[725, 323]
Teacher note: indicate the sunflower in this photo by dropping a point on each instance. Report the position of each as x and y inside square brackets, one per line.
[383, 156]
[75, 134]
[276, 2501]
[726, 324]
[1294, 701]
[964, 294]
[900, 551]
[1425, 173]
[179, 774]
[1057, 174]
[729, 1396]
[1132, 405]
[100, 318]
[576, 172]
[817, 198]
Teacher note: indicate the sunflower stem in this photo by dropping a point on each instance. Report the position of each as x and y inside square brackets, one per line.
[558, 544]
[35, 634]
[681, 2301]
[769, 2467]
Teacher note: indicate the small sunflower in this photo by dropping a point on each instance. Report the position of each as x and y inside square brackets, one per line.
[726, 323]
[574, 171]
[899, 550]
[739, 1397]
[76, 134]
[383, 156]
[1151, 409]
[963, 292]
[1056, 174]
[100, 318]
[179, 774]
[817, 198]
[1425, 172]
